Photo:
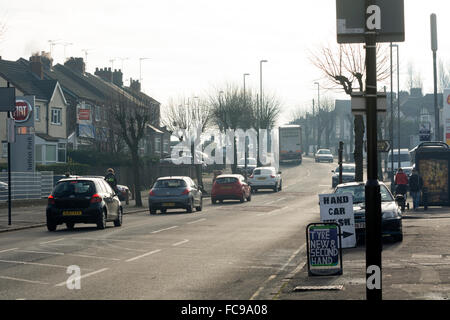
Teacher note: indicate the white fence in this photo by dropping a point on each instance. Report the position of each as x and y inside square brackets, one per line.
[27, 185]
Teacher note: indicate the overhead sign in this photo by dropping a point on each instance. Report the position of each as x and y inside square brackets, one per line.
[359, 101]
[383, 146]
[22, 111]
[386, 17]
[324, 252]
[338, 208]
[7, 99]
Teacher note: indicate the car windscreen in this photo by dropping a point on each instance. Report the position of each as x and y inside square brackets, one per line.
[260, 172]
[324, 152]
[170, 183]
[346, 169]
[226, 180]
[358, 193]
[404, 157]
[77, 188]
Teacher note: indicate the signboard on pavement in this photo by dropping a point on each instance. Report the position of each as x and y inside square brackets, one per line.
[324, 252]
[338, 208]
[386, 18]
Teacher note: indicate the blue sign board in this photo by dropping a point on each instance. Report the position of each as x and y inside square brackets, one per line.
[324, 249]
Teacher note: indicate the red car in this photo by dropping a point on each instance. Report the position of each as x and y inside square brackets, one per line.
[230, 187]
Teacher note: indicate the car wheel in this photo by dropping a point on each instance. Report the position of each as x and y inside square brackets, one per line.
[281, 185]
[398, 237]
[213, 201]
[199, 208]
[118, 221]
[190, 207]
[152, 211]
[275, 189]
[242, 198]
[127, 201]
[70, 225]
[249, 197]
[101, 224]
[163, 211]
[51, 226]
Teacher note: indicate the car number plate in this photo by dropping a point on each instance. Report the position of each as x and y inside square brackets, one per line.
[226, 188]
[262, 178]
[360, 225]
[71, 213]
[168, 204]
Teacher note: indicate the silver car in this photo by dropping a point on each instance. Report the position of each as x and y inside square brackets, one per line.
[174, 193]
[265, 178]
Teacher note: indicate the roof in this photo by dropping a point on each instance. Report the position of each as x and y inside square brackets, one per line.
[172, 177]
[229, 175]
[21, 77]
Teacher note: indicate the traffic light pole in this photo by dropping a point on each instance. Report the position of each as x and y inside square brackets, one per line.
[372, 188]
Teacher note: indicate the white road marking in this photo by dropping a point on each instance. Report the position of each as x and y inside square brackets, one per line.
[83, 276]
[69, 254]
[181, 242]
[42, 252]
[203, 219]
[157, 231]
[22, 280]
[51, 241]
[8, 250]
[275, 201]
[34, 264]
[143, 255]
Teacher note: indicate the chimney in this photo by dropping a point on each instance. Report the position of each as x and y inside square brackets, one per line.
[36, 66]
[75, 64]
[135, 85]
[104, 74]
[117, 78]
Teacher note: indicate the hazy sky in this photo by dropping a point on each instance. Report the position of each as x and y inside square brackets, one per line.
[195, 46]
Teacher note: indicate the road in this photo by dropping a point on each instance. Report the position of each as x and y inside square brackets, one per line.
[227, 251]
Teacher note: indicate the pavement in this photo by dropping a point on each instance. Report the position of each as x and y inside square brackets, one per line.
[418, 268]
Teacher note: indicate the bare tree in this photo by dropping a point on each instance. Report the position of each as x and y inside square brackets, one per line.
[444, 76]
[414, 79]
[132, 116]
[343, 65]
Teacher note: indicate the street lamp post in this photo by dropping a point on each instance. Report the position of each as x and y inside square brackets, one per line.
[140, 70]
[261, 101]
[392, 127]
[245, 137]
[318, 114]
[398, 105]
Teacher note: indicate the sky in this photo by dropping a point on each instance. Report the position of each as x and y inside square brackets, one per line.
[197, 46]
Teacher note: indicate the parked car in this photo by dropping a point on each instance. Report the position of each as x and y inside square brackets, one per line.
[230, 187]
[348, 174]
[323, 155]
[174, 193]
[265, 178]
[3, 186]
[124, 193]
[83, 200]
[391, 223]
[251, 165]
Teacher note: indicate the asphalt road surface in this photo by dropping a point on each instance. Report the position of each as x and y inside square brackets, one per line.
[227, 251]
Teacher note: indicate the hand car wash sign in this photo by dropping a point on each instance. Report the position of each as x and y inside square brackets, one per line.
[338, 208]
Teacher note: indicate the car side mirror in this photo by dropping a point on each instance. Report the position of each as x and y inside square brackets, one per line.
[279, 172]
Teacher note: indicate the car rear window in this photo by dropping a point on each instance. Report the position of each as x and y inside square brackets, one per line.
[346, 169]
[170, 183]
[226, 180]
[260, 172]
[77, 188]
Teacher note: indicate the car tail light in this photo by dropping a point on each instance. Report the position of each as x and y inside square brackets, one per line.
[272, 176]
[96, 198]
[151, 193]
[51, 199]
[251, 177]
[186, 191]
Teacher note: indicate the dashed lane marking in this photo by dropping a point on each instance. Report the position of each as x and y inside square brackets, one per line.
[51, 241]
[143, 255]
[157, 231]
[8, 250]
[203, 219]
[179, 243]
[83, 276]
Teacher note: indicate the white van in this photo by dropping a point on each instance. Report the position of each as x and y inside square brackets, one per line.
[405, 159]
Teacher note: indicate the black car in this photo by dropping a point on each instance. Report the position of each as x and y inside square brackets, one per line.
[391, 220]
[348, 174]
[83, 200]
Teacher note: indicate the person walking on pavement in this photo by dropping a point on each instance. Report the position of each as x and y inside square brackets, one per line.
[112, 180]
[415, 186]
[401, 182]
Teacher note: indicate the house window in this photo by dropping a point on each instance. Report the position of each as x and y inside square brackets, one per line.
[37, 113]
[38, 153]
[157, 145]
[61, 152]
[50, 153]
[56, 116]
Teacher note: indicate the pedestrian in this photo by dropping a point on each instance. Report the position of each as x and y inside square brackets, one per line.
[415, 187]
[401, 182]
[111, 179]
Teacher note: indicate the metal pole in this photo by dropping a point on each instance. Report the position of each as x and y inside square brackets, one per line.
[318, 115]
[434, 47]
[9, 172]
[313, 130]
[398, 102]
[392, 127]
[245, 137]
[260, 105]
[372, 188]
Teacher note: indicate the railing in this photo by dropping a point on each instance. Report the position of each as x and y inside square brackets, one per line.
[27, 185]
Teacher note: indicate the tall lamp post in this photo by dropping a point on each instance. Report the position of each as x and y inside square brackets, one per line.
[245, 138]
[318, 114]
[398, 106]
[261, 101]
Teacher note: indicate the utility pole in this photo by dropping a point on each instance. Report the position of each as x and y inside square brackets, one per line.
[434, 47]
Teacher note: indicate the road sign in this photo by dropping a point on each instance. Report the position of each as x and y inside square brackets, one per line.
[359, 101]
[386, 18]
[338, 208]
[324, 250]
[7, 99]
[383, 145]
